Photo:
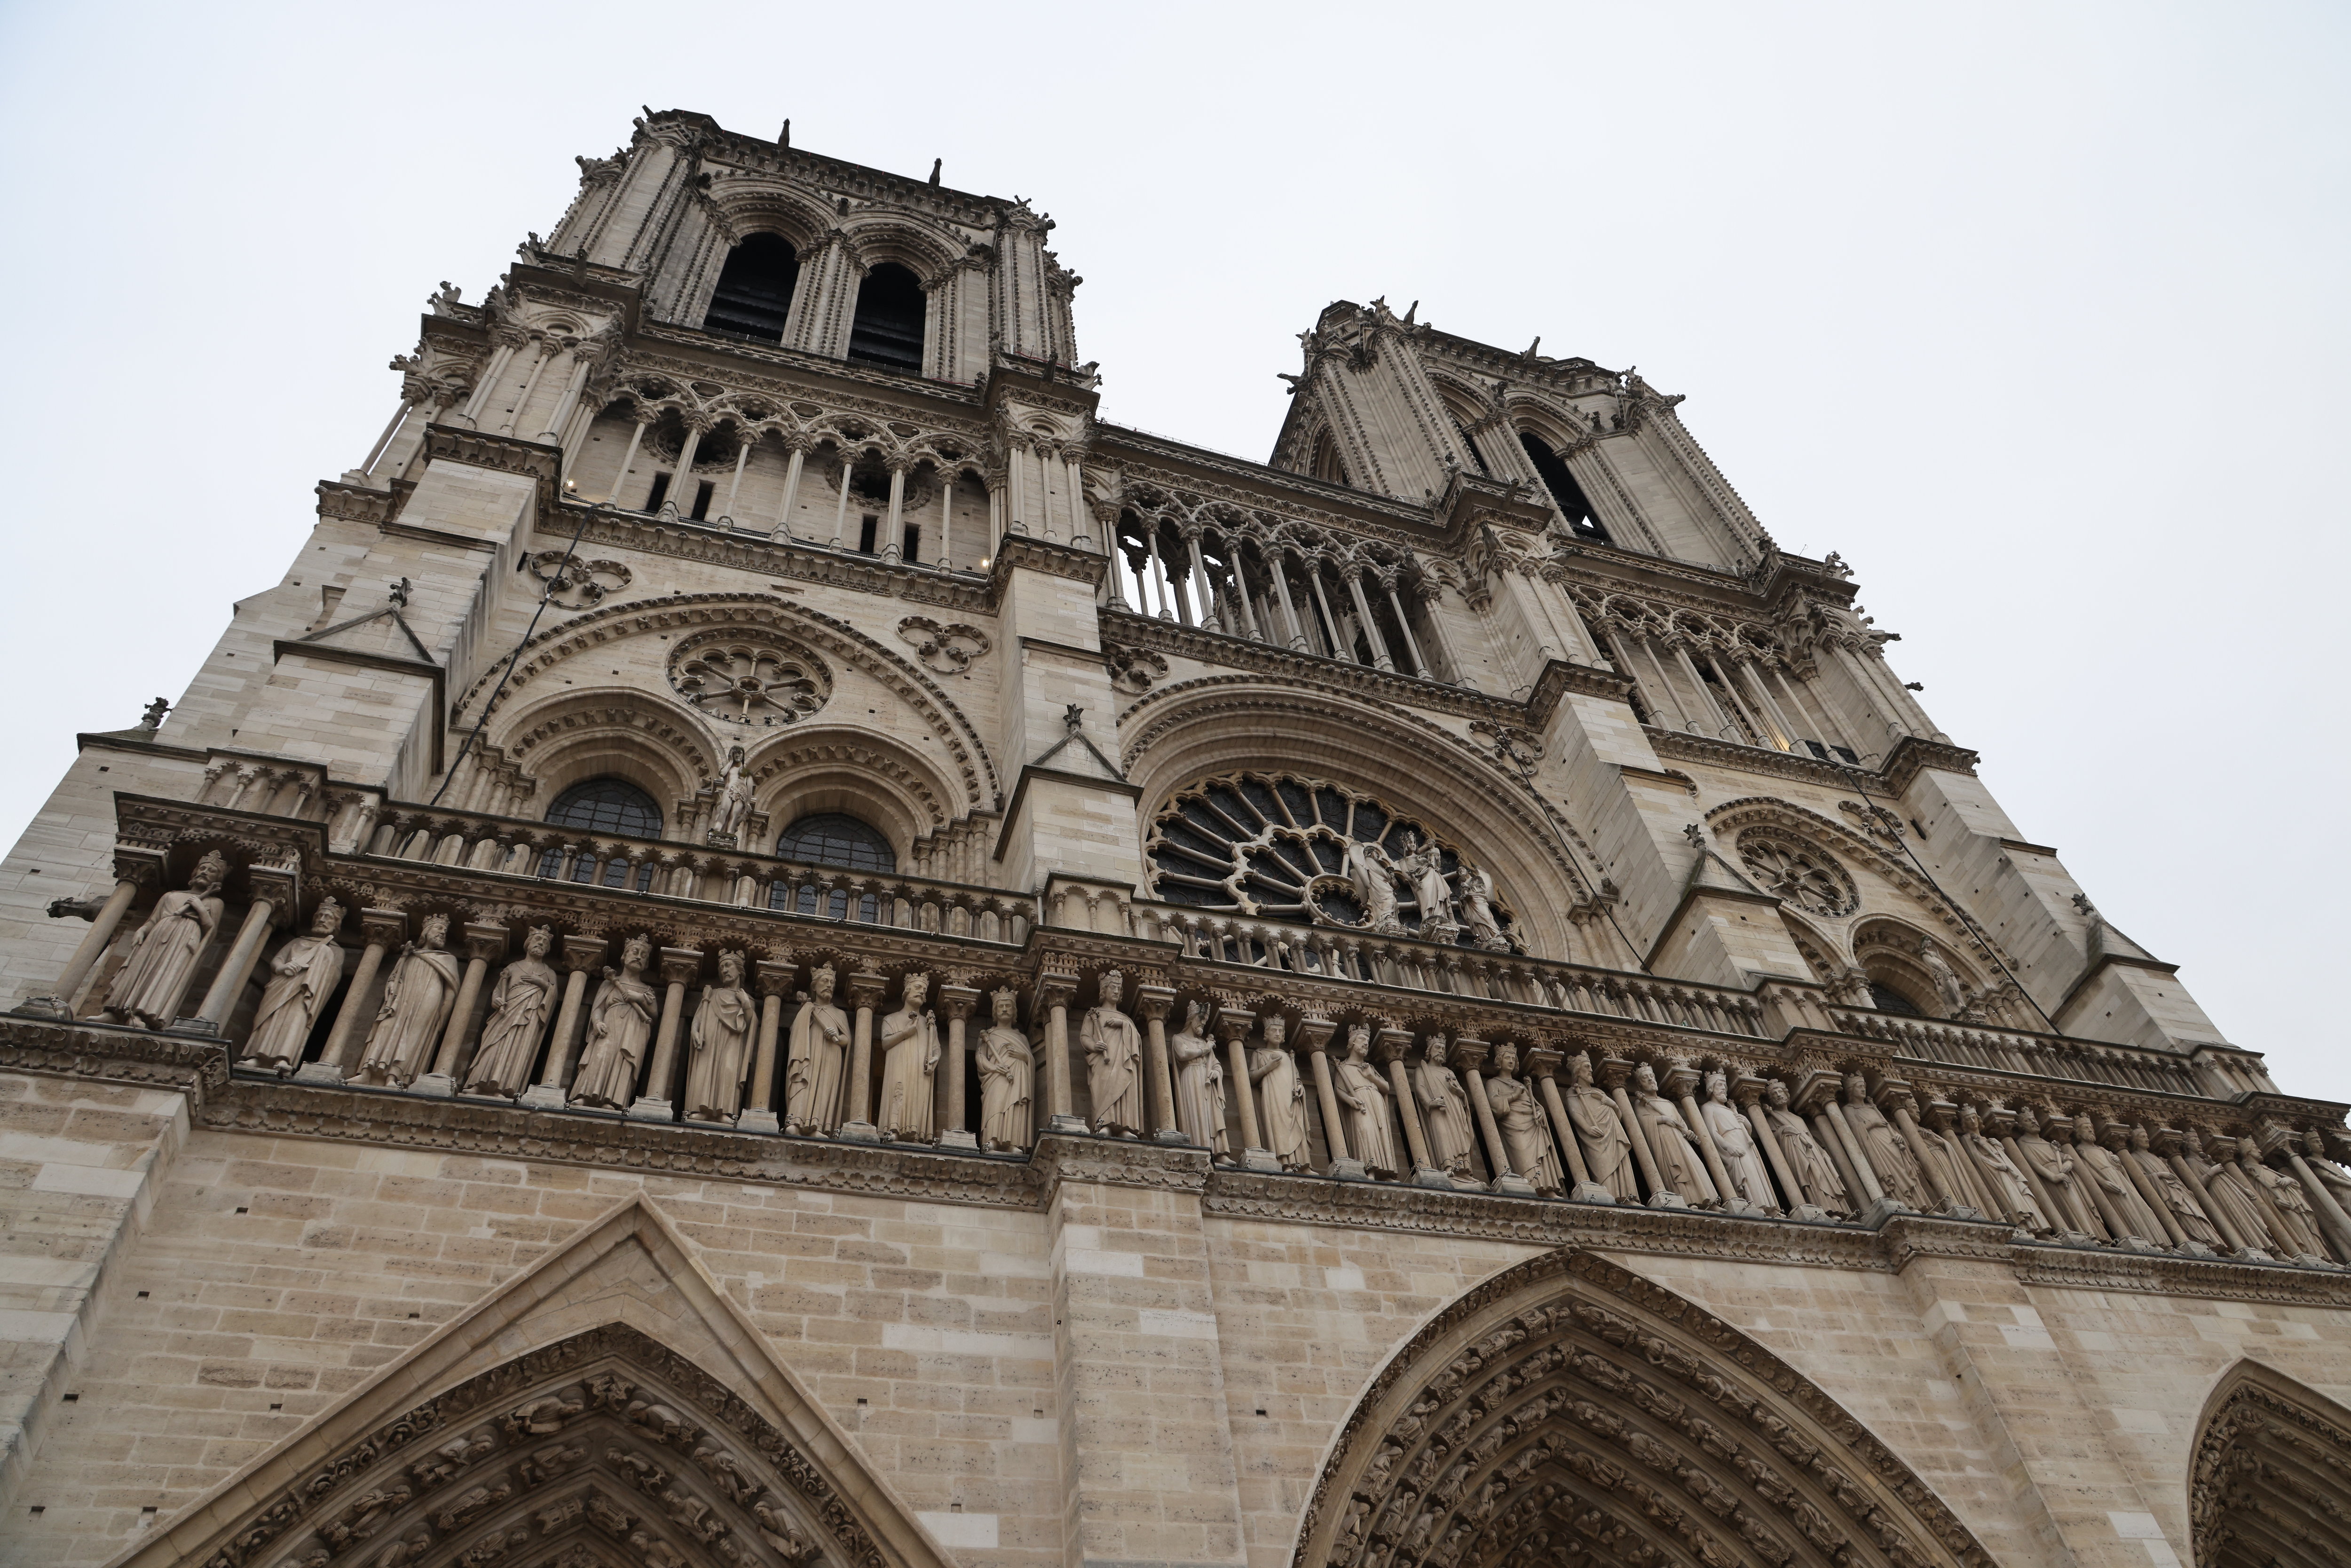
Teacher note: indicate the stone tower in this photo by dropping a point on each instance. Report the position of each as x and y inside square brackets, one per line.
[780, 947]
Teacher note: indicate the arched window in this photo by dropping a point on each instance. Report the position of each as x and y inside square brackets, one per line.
[606, 805]
[888, 329]
[755, 289]
[833, 839]
[1887, 1000]
[1563, 490]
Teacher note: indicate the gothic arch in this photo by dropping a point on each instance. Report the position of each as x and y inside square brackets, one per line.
[748, 205]
[855, 772]
[1225, 724]
[2270, 1470]
[1885, 948]
[654, 745]
[889, 236]
[1567, 1411]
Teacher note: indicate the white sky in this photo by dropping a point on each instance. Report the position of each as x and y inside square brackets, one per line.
[2034, 312]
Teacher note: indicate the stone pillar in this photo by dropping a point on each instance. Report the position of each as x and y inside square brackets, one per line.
[1468, 1056]
[1313, 1043]
[379, 931]
[1154, 1002]
[1235, 1024]
[1390, 1045]
[1056, 992]
[228, 984]
[1896, 1099]
[955, 1128]
[57, 1002]
[774, 978]
[484, 943]
[1681, 1083]
[679, 965]
[1841, 1135]
[865, 990]
[1610, 1073]
[582, 956]
[1542, 1065]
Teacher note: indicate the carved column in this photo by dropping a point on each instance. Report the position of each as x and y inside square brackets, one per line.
[271, 891]
[1154, 1002]
[1611, 1073]
[955, 1129]
[774, 977]
[484, 943]
[2153, 1200]
[679, 965]
[1819, 1097]
[1411, 643]
[2171, 1145]
[783, 528]
[380, 930]
[1235, 1024]
[1390, 1045]
[1054, 994]
[57, 1002]
[1896, 1099]
[1313, 1041]
[1279, 562]
[628, 458]
[1679, 1083]
[582, 956]
[2331, 1220]
[894, 529]
[1468, 1057]
[1381, 657]
[1542, 1063]
[865, 990]
[671, 505]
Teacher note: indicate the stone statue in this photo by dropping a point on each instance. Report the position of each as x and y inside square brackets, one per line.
[2232, 1196]
[302, 978]
[416, 1005]
[151, 719]
[718, 1046]
[2330, 1175]
[1478, 910]
[2186, 1212]
[1367, 867]
[1953, 991]
[163, 955]
[1948, 1159]
[520, 1004]
[619, 1024]
[1734, 1140]
[733, 805]
[1607, 1149]
[1444, 1111]
[1363, 1094]
[1897, 1169]
[1423, 866]
[1672, 1144]
[816, 1072]
[2099, 1163]
[2054, 1165]
[1519, 1117]
[1199, 1084]
[446, 300]
[2292, 1203]
[1008, 1074]
[1812, 1166]
[910, 1063]
[2009, 1187]
[1113, 1048]
[1281, 1095]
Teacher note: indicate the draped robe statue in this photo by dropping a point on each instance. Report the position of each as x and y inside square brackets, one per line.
[1423, 866]
[1368, 869]
[1607, 1148]
[1008, 1074]
[2331, 1177]
[734, 802]
[1280, 1096]
[1897, 1169]
[1734, 1140]
[1812, 1165]
[719, 1046]
[1199, 1084]
[1519, 1117]
[2292, 1203]
[1113, 1048]
[619, 1022]
[2101, 1165]
[816, 1072]
[1362, 1095]
[520, 1004]
[910, 1061]
[1478, 910]
[416, 1005]
[1672, 1144]
[1444, 1111]
[1950, 1162]
[2186, 1212]
[2009, 1187]
[302, 978]
[146, 988]
[2055, 1165]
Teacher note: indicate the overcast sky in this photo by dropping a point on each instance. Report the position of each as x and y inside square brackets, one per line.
[2034, 312]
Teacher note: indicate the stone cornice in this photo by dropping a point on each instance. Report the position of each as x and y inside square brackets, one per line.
[793, 560]
[1683, 746]
[1913, 755]
[1054, 559]
[789, 371]
[1128, 630]
[197, 1068]
[499, 454]
[1237, 479]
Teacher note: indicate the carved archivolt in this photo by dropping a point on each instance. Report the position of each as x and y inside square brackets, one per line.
[751, 680]
[1567, 1412]
[2272, 1469]
[673, 756]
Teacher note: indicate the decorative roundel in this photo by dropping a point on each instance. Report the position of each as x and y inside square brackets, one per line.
[1794, 870]
[749, 677]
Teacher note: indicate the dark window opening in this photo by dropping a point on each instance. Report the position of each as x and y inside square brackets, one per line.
[660, 492]
[888, 329]
[833, 837]
[1573, 503]
[912, 550]
[702, 494]
[865, 531]
[1887, 1000]
[1475, 455]
[606, 805]
[755, 289]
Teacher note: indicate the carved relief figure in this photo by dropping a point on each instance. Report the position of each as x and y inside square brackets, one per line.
[1519, 1117]
[1672, 1144]
[1607, 1148]
[910, 1061]
[619, 1024]
[2011, 1188]
[2054, 1165]
[2101, 1167]
[163, 955]
[1368, 868]
[1423, 866]
[1199, 1084]
[1113, 1048]
[1812, 1166]
[416, 1004]
[2331, 1177]
[2186, 1212]
[1280, 1096]
[719, 1046]
[302, 978]
[1478, 910]
[1007, 1071]
[2231, 1193]
[1897, 1169]
[1444, 1111]
[2292, 1203]
[1953, 992]
[520, 1004]
[817, 1070]
[1734, 1140]
[734, 802]
[1364, 1094]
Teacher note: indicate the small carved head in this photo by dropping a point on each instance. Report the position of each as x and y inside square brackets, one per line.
[1970, 1122]
[1435, 1050]
[328, 920]
[1113, 986]
[1195, 1017]
[436, 932]
[2085, 1131]
[735, 756]
[731, 967]
[1775, 1090]
[1718, 1087]
[538, 942]
[2139, 1138]
[636, 952]
[1856, 1088]
[1644, 1078]
[918, 986]
[821, 980]
[1359, 1043]
[1004, 1005]
[2195, 1141]
[1505, 1060]
[1579, 1071]
[210, 872]
[2027, 1123]
[1277, 1029]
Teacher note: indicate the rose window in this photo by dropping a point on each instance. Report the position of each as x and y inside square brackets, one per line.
[750, 680]
[1312, 853]
[1795, 870]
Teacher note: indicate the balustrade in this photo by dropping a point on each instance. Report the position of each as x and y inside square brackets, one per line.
[2012, 1050]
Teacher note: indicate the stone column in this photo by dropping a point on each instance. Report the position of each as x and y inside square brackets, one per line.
[1542, 1064]
[1390, 1045]
[582, 956]
[228, 984]
[379, 931]
[865, 990]
[563, 405]
[774, 978]
[2153, 1200]
[1468, 1057]
[679, 965]
[1679, 1083]
[1836, 1136]
[1897, 1101]
[1154, 1002]
[783, 528]
[484, 943]
[955, 1128]
[1381, 657]
[1611, 1073]
[57, 1002]
[893, 526]
[677, 503]
[1749, 1091]
[2243, 1245]
[1313, 1043]
[2332, 1221]
[1056, 992]
[1411, 643]
[1235, 1024]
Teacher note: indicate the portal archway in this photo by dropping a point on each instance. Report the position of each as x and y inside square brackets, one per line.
[2272, 1468]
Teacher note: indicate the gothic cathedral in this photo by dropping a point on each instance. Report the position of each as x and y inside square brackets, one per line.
[780, 948]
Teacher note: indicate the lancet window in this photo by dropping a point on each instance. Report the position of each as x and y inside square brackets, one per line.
[1565, 492]
[755, 289]
[888, 329]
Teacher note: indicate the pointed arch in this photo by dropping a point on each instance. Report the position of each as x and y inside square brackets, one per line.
[610, 1398]
[1568, 1411]
[2271, 1469]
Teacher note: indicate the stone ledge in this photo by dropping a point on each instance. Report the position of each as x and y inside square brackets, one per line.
[197, 1068]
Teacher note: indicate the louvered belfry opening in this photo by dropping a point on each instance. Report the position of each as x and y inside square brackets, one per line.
[755, 289]
[888, 331]
[1563, 490]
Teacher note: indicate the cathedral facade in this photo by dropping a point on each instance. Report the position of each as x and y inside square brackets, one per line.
[780, 947]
